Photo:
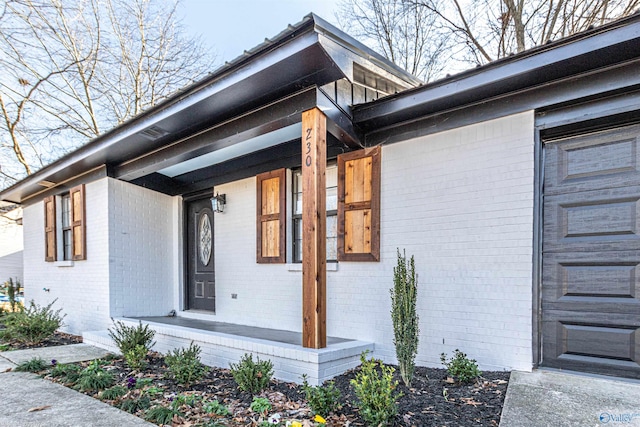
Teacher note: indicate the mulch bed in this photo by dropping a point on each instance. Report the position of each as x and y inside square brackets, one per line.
[433, 400]
[58, 338]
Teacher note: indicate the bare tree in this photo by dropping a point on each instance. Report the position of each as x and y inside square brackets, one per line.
[408, 36]
[472, 32]
[71, 70]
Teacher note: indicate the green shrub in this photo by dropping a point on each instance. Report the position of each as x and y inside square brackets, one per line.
[94, 378]
[216, 408]
[34, 365]
[113, 393]
[323, 399]
[403, 314]
[460, 367]
[136, 357]
[32, 324]
[251, 376]
[260, 405]
[134, 405]
[375, 389]
[162, 414]
[12, 290]
[185, 365]
[134, 342]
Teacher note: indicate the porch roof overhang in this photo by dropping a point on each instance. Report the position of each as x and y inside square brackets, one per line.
[232, 105]
[544, 75]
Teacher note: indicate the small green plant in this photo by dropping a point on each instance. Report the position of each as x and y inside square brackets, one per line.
[186, 399]
[323, 399]
[113, 393]
[184, 364]
[215, 407]
[153, 391]
[94, 378]
[143, 382]
[375, 389]
[69, 372]
[252, 377]
[134, 405]
[162, 414]
[260, 405]
[135, 358]
[403, 314]
[33, 365]
[460, 367]
[32, 324]
[134, 342]
[5, 347]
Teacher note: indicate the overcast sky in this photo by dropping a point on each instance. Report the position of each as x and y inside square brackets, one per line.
[232, 26]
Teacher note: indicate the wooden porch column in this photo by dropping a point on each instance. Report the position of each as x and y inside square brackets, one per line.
[314, 229]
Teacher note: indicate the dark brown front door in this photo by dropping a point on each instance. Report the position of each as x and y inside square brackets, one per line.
[201, 293]
[591, 253]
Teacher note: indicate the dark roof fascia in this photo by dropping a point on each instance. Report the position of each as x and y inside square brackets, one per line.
[607, 45]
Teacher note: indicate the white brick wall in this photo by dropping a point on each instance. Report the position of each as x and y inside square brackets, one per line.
[461, 202]
[11, 246]
[81, 287]
[141, 251]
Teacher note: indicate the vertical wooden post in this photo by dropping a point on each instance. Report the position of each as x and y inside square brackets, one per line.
[314, 233]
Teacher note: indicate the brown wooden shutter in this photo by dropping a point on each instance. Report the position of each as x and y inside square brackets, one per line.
[78, 227]
[50, 229]
[271, 217]
[359, 205]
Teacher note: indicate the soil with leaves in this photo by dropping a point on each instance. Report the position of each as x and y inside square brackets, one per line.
[215, 400]
[58, 338]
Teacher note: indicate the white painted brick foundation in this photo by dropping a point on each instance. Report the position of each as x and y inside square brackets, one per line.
[290, 362]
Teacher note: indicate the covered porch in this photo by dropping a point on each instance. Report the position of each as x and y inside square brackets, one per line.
[225, 343]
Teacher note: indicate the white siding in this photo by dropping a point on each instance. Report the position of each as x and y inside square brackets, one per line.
[81, 287]
[11, 246]
[141, 251]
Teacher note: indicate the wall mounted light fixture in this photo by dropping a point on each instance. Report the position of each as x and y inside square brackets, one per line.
[218, 202]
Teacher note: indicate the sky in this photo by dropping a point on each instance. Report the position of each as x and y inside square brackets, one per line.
[229, 27]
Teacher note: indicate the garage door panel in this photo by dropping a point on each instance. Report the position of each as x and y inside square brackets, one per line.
[593, 221]
[603, 160]
[593, 281]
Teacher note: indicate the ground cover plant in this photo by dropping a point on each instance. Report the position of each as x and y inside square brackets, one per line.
[32, 324]
[215, 399]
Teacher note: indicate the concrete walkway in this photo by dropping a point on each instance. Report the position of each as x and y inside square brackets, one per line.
[30, 401]
[553, 398]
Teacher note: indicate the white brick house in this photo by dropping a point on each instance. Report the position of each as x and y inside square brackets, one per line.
[514, 185]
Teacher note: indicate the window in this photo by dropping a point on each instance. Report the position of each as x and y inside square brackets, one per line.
[65, 235]
[332, 213]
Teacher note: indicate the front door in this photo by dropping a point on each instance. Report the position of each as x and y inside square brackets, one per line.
[201, 293]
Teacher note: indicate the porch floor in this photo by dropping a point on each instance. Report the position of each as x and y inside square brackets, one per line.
[276, 335]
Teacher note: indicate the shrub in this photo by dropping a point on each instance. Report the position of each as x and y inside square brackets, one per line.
[460, 367]
[34, 365]
[184, 364]
[113, 393]
[12, 290]
[32, 324]
[135, 358]
[251, 376]
[323, 399]
[94, 378]
[260, 405]
[404, 316]
[134, 342]
[216, 408]
[375, 389]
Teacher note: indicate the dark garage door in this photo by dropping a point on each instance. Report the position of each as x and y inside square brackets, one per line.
[591, 253]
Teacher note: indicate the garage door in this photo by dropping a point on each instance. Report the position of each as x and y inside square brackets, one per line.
[591, 253]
